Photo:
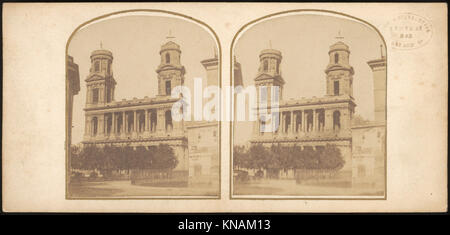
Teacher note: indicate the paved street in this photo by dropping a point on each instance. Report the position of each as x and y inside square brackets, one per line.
[125, 188]
[291, 188]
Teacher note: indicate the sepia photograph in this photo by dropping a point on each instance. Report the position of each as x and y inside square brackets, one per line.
[123, 72]
[319, 126]
[224, 107]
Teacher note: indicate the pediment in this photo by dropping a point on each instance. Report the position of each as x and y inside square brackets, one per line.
[94, 77]
[170, 67]
[339, 67]
[265, 76]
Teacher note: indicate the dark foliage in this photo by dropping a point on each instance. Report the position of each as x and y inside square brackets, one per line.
[279, 157]
[110, 158]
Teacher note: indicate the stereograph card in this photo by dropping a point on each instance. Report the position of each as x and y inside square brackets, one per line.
[225, 107]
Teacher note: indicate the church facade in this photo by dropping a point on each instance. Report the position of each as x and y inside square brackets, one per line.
[319, 121]
[147, 121]
[315, 121]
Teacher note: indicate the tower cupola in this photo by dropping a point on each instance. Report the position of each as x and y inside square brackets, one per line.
[269, 75]
[100, 82]
[170, 71]
[339, 72]
[270, 60]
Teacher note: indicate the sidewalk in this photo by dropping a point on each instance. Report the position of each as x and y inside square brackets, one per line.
[125, 188]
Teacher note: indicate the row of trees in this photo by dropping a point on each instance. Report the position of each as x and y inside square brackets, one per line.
[110, 158]
[284, 158]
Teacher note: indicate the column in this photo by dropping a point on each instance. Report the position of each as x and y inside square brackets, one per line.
[87, 129]
[256, 126]
[101, 125]
[317, 117]
[344, 119]
[303, 121]
[314, 120]
[88, 95]
[134, 121]
[101, 95]
[292, 122]
[275, 116]
[112, 94]
[177, 126]
[113, 116]
[328, 120]
[146, 122]
[123, 123]
[161, 120]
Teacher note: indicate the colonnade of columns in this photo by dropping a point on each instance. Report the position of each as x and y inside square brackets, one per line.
[129, 122]
[304, 121]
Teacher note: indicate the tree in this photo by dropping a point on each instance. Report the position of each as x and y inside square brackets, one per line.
[310, 158]
[164, 158]
[279, 157]
[258, 157]
[108, 163]
[141, 158]
[331, 158]
[91, 157]
[286, 159]
[75, 157]
[297, 158]
[111, 158]
[240, 157]
[274, 157]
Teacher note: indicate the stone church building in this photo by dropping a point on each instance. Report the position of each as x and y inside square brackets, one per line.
[148, 121]
[315, 121]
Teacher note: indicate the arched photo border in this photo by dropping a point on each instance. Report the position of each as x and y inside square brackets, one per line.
[68, 125]
[274, 197]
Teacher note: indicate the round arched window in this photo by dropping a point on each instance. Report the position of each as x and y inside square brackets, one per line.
[167, 58]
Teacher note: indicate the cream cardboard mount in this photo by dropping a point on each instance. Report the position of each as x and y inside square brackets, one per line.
[308, 106]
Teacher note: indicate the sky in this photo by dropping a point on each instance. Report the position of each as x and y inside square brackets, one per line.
[304, 42]
[135, 42]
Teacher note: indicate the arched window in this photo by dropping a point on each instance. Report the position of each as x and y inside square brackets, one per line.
[141, 122]
[168, 88]
[336, 58]
[263, 98]
[287, 121]
[130, 120]
[298, 120]
[94, 126]
[309, 121]
[336, 120]
[168, 116]
[266, 66]
[119, 124]
[321, 119]
[95, 95]
[108, 94]
[167, 58]
[275, 122]
[108, 123]
[97, 66]
[336, 87]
